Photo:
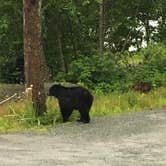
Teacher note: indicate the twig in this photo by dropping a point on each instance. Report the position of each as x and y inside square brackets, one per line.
[4, 101]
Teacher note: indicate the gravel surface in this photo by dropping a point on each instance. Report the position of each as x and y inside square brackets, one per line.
[134, 139]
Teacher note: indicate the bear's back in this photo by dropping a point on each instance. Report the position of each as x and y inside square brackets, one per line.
[77, 96]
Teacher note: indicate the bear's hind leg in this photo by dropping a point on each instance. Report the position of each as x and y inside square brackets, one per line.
[85, 118]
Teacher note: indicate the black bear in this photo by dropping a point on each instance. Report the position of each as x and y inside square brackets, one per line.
[73, 98]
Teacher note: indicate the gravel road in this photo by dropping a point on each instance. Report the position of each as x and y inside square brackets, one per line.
[134, 139]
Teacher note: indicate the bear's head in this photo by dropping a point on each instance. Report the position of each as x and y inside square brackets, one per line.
[55, 90]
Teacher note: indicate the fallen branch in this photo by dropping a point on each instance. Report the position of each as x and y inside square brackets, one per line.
[8, 99]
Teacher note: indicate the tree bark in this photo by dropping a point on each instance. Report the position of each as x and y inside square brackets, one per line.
[101, 27]
[35, 66]
[147, 29]
[60, 44]
[61, 55]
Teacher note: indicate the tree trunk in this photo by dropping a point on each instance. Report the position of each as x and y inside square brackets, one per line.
[147, 30]
[60, 48]
[101, 27]
[60, 42]
[62, 61]
[35, 66]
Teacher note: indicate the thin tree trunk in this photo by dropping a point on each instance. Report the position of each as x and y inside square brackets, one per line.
[101, 27]
[33, 54]
[147, 30]
[60, 46]
[60, 43]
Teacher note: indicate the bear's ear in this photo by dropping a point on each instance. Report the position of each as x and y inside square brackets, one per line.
[58, 86]
[55, 86]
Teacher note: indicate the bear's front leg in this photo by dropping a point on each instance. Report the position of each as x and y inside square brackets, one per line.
[66, 114]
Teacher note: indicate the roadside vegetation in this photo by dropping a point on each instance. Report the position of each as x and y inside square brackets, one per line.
[111, 81]
[20, 116]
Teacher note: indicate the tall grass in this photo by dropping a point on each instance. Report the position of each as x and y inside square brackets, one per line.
[116, 103]
[21, 115]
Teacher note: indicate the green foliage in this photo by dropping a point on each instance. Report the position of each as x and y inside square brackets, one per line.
[152, 69]
[11, 46]
[9, 72]
[80, 28]
[106, 73]
[4, 125]
[77, 21]
[28, 117]
[96, 72]
[102, 87]
[21, 116]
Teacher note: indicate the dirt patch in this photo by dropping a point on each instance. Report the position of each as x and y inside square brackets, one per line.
[135, 139]
[3, 110]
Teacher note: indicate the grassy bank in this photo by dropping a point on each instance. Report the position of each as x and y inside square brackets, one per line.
[20, 116]
[128, 102]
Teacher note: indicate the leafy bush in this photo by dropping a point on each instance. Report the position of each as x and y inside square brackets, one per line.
[102, 88]
[11, 69]
[96, 72]
[104, 73]
[119, 72]
[152, 69]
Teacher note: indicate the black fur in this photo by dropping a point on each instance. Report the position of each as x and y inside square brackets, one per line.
[33, 2]
[73, 98]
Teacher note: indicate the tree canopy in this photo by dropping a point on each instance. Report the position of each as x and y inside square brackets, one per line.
[71, 32]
